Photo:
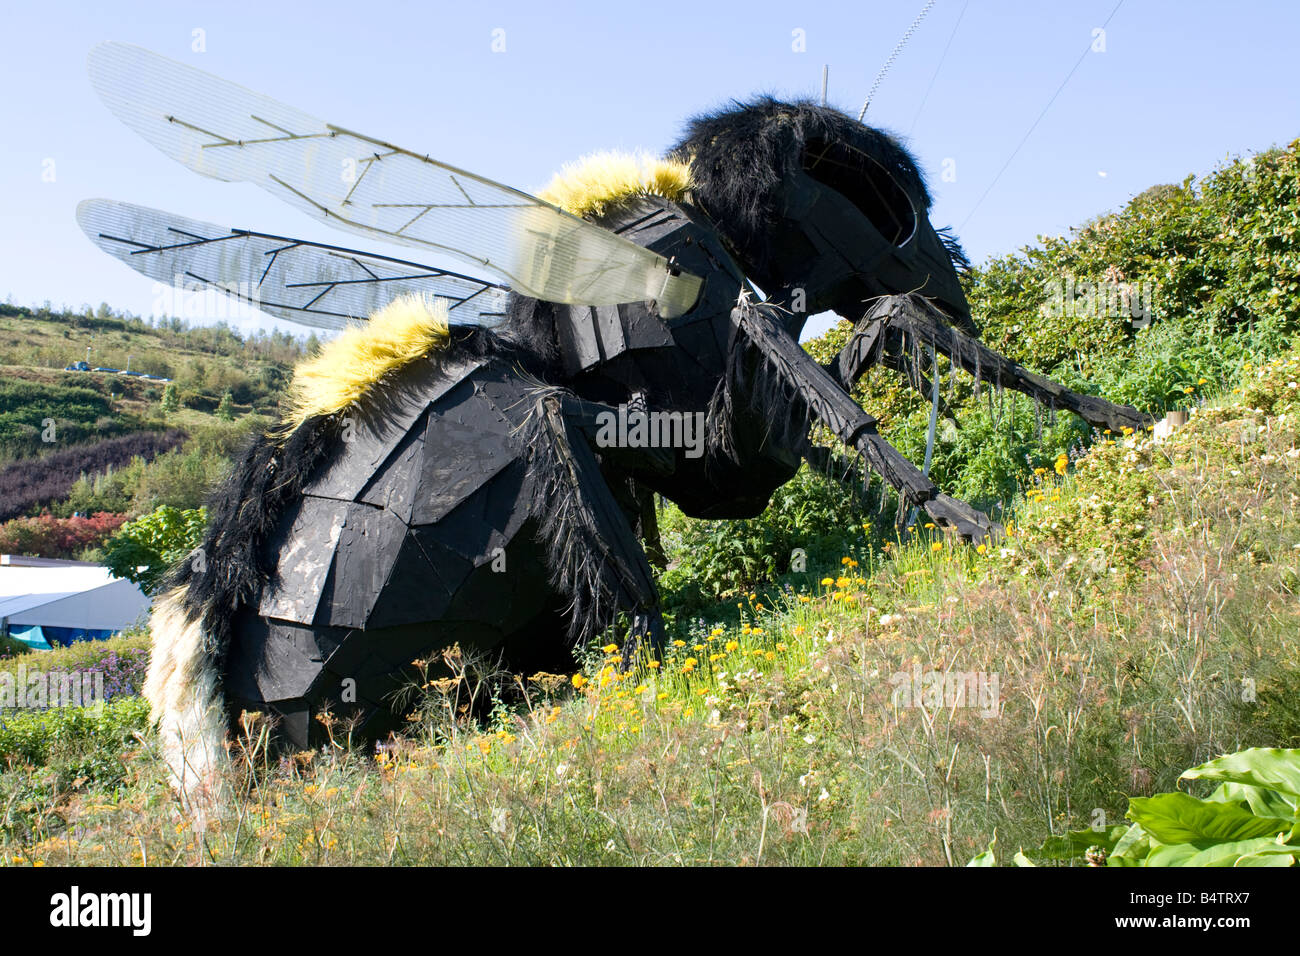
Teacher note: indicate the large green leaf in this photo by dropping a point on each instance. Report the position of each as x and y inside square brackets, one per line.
[1172, 854]
[1271, 856]
[1265, 767]
[1231, 854]
[1264, 803]
[1131, 849]
[989, 856]
[1179, 818]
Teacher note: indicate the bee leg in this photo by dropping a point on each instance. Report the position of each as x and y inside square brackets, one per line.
[593, 554]
[782, 360]
[913, 316]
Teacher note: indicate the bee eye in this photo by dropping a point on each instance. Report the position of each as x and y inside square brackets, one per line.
[864, 182]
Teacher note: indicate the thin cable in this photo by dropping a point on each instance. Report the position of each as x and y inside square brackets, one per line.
[893, 56]
[1025, 138]
[935, 75]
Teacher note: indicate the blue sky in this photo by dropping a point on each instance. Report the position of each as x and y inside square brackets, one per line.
[1179, 87]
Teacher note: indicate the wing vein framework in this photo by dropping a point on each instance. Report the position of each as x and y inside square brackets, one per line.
[310, 283]
[368, 186]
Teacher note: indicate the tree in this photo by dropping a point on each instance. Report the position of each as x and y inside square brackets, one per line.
[170, 401]
[226, 410]
[145, 549]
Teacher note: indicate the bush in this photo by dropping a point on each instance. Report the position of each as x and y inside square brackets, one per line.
[821, 516]
[155, 543]
[50, 537]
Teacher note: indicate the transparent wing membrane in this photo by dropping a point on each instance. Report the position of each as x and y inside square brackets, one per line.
[305, 282]
[367, 186]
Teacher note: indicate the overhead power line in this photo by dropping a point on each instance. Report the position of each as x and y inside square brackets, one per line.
[1033, 126]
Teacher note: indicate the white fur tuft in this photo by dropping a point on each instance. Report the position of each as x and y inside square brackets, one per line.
[181, 688]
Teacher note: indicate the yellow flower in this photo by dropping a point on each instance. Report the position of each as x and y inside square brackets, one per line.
[653, 665]
[663, 695]
[679, 643]
[610, 648]
[937, 546]
[827, 582]
[981, 549]
[579, 680]
[732, 645]
[781, 645]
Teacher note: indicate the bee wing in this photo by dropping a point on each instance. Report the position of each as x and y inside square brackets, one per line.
[305, 282]
[365, 185]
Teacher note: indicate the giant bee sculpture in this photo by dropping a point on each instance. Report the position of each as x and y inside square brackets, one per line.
[445, 472]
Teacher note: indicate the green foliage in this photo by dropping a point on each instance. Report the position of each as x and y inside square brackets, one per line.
[181, 478]
[169, 401]
[1251, 819]
[821, 516]
[226, 410]
[154, 543]
[78, 747]
[27, 409]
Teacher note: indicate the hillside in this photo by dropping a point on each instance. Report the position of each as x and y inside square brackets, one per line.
[61, 429]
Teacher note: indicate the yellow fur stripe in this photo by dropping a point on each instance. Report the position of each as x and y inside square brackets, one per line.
[594, 183]
[348, 367]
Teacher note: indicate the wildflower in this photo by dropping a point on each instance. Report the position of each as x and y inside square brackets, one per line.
[827, 582]
[732, 645]
[780, 646]
[653, 665]
[937, 546]
[679, 643]
[579, 680]
[610, 648]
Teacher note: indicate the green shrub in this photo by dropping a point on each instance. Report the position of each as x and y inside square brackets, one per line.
[145, 549]
[821, 516]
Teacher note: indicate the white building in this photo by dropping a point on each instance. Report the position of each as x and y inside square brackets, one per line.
[45, 602]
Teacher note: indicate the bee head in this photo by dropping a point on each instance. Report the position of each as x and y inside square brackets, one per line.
[821, 210]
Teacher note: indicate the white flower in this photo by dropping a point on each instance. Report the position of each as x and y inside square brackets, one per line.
[823, 795]
[810, 739]
[561, 769]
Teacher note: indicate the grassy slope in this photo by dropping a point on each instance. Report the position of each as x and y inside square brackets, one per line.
[1142, 617]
